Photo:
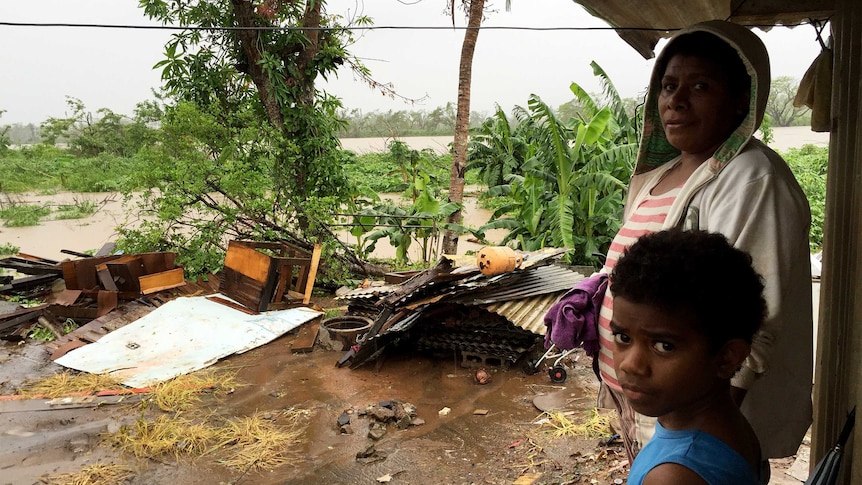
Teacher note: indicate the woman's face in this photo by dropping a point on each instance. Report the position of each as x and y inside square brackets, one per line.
[697, 109]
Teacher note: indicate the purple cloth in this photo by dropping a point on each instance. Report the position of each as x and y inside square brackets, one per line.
[573, 321]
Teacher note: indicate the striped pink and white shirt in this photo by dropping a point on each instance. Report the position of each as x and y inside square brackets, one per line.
[648, 217]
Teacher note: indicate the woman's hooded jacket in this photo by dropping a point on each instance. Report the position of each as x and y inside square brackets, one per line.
[747, 192]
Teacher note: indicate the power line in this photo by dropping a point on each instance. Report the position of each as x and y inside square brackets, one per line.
[356, 27]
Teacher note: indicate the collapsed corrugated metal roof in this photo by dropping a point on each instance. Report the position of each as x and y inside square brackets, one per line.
[453, 306]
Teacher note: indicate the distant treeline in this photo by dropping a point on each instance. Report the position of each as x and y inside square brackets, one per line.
[387, 124]
[21, 134]
[392, 124]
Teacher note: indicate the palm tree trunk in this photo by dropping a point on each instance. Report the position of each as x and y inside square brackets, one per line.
[462, 122]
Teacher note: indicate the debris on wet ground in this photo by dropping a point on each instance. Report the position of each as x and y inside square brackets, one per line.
[287, 415]
[155, 347]
[487, 320]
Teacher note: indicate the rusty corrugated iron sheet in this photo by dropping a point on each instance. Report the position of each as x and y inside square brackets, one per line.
[541, 280]
[527, 313]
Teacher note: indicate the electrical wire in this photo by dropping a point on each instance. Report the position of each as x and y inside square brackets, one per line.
[353, 28]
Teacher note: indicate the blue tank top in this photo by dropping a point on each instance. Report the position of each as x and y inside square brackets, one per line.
[700, 452]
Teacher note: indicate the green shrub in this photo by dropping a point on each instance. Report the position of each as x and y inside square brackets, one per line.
[78, 210]
[7, 249]
[809, 166]
[23, 215]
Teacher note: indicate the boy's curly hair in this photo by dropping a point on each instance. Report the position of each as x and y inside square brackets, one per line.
[698, 274]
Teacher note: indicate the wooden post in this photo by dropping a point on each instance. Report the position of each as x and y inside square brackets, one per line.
[838, 365]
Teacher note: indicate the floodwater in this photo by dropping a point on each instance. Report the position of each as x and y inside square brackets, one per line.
[50, 237]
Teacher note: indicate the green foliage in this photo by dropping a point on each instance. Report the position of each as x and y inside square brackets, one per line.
[25, 302]
[21, 215]
[4, 136]
[248, 146]
[766, 133]
[564, 179]
[809, 166]
[32, 168]
[106, 132]
[77, 210]
[70, 325]
[38, 332]
[7, 249]
[45, 168]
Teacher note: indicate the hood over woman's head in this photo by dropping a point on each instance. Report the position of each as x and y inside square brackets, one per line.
[744, 59]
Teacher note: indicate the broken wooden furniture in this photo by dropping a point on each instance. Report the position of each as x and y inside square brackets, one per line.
[95, 284]
[269, 275]
[129, 275]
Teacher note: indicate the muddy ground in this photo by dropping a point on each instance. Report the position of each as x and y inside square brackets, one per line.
[504, 446]
[459, 448]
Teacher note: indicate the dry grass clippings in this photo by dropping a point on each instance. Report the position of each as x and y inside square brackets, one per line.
[69, 383]
[98, 474]
[262, 441]
[594, 425]
[167, 435]
[181, 393]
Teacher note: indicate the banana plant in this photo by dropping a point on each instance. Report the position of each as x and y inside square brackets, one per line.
[570, 187]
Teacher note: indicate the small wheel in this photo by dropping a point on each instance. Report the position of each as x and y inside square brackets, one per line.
[531, 367]
[558, 373]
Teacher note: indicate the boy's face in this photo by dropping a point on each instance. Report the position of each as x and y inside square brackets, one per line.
[664, 365]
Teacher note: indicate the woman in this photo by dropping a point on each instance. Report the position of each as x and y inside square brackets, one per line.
[699, 167]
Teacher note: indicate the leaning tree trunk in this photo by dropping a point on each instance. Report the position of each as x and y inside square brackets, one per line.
[462, 122]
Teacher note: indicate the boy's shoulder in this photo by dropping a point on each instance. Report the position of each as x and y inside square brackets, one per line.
[682, 456]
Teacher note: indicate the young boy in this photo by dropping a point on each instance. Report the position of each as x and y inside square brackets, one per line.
[686, 305]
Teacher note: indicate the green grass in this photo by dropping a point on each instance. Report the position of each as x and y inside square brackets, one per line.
[41, 333]
[78, 210]
[8, 249]
[21, 215]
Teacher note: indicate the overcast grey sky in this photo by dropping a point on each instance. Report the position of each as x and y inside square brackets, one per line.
[112, 68]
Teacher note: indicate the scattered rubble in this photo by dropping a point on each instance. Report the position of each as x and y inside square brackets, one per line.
[489, 321]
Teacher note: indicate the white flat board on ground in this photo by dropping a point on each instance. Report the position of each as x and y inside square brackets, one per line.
[181, 336]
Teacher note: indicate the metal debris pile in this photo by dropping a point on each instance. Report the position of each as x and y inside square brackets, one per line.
[454, 308]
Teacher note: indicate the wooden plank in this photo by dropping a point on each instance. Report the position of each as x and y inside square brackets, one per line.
[247, 261]
[105, 302]
[81, 274]
[30, 405]
[126, 273]
[312, 274]
[266, 296]
[285, 274]
[233, 305]
[306, 337]
[241, 288]
[158, 262]
[66, 297]
[106, 278]
[25, 266]
[30, 315]
[152, 283]
[28, 282]
[36, 259]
